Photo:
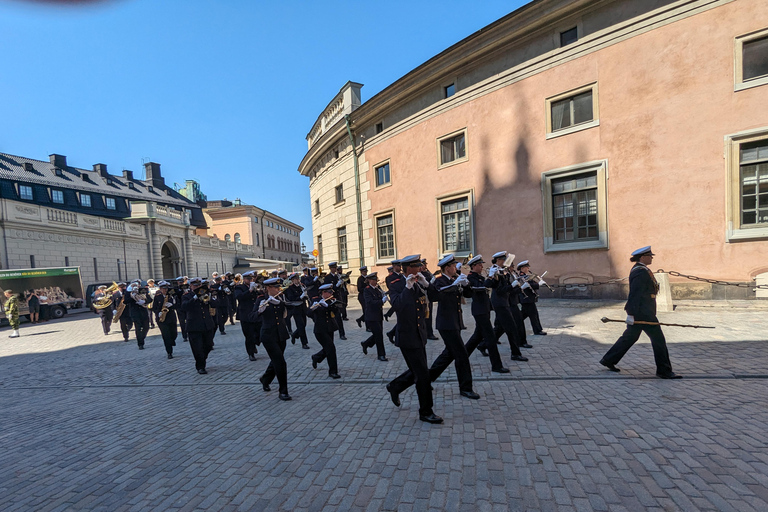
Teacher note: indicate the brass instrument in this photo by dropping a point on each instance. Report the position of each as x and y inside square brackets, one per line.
[164, 311]
[537, 277]
[119, 309]
[105, 301]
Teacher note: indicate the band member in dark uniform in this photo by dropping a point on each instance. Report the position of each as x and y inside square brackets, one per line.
[502, 284]
[334, 278]
[641, 306]
[515, 295]
[137, 301]
[125, 317]
[343, 293]
[313, 285]
[374, 314]
[222, 292]
[362, 282]
[324, 313]
[306, 279]
[164, 305]
[530, 297]
[105, 314]
[200, 325]
[229, 283]
[274, 333]
[247, 295]
[181, 287]
[429, 276]
[395, 282]
[284, 283]
[410, 303]
[295, 300]
[481, 311]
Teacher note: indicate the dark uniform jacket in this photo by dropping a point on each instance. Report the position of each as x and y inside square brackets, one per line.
[362, 283]
[395, 282]
[293, 294]
[313, 287]
[642, 293]
[198, 313]
[222, 298]
[272, 321]
[373, 304]
[530, 295]
[411, 308]
[515, 293]
[157, 307]
[137, 311]
[333, 279]
[245, 301]
[481, 303]
[448, 303]
[501, 289]
[324, 318]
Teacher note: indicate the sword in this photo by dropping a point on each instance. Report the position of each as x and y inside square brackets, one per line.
[606, 320]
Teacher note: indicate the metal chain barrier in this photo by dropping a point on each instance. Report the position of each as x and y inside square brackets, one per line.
[713, 281]
[582, 285]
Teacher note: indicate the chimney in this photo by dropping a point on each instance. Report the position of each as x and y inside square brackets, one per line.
[28, 167]
[101, 169]
[152, 170]
[127, 174]
[59, 161]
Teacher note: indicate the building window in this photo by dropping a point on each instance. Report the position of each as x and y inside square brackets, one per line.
[319, 249]
[237, 238]
[379, 127]
[151, 189]
[31, 261]
[25, 192]
[339, 194]
[96, 269]
[753, 177]
[227, 238]
[110, 203]
[138, 268]
[66, 261]
[575, 207]
[57, 196]
[452, 148]
[317, 207]
[256, 220]
[342, 237]
[85, 200]
[456, 225]
[119, 272]
[385, 237]
[449, 90]
[382, 175]
[751, 66]
[569, 36]
[335, 153]
[131, 186]
[257, 240]
[572, 111]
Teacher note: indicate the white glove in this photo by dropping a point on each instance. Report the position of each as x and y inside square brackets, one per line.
[323, 303]
[303, 295]
[423, 281]
[384, 299]
[462, 280]
[263, 304]
[273, 300]
[515, 283]
[226, 289]
[167, 305]
[114, 311]
[140, 302]
[195, 297]
[338, 283]
[542, 282]
[492, 271]
[525, 285]
[432, 281]
[410, 281]
[316, 278]
[252, 287]
[630, 320]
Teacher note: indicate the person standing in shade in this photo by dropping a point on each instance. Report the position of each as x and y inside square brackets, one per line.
[137, 302]
[334, 279]
[105, 314]
[362, 283]
[165, 301]
[530, 297]
[181, 287]
[410, 303]
[200, 324]
[221, 292]
[515, 294]
[324, 313]
[395, 282]
[481, 311]
[247, 295]
[274, 333]
[125, 317]
[295, 300]
[33, 303]
[343, 293]
[502, 284]
[641, 306]
[429, 276]
[11, 308]
[374, 314]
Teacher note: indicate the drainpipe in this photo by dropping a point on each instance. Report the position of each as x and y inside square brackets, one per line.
[357, 192]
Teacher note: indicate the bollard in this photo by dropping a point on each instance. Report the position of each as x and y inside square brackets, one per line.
[664, 297]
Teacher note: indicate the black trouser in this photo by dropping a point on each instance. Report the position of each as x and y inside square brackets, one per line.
[329, 350]
[300, 317]
[201, 343]
[125, 325]
[151, 320]
[340, 323]
[343, 310]
[106, 322]
[430, 331]
[631, 335]
[232, 309]
[376, 337]
[221, 318]
[505, 323]
[518, 316]
[455, 347]
[417, 373]
[169, 333]
[141, 325]
[484, 334]
[277, 367]
[251, 335]
[532, 312]
[362, 305]
[182, 316]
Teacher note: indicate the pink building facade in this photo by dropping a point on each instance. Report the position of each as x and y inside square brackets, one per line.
[569, 133]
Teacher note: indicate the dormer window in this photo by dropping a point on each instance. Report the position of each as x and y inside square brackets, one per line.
[110, 182]
[58, 172]
[85, 200]
[131, 186]
[25, 192]
[151, 189]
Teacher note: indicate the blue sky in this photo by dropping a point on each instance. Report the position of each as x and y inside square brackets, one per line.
[223, 92]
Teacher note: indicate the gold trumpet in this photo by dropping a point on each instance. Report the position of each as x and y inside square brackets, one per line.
[105, 300]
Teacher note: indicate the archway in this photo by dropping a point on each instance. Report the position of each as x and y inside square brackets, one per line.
[169, 255]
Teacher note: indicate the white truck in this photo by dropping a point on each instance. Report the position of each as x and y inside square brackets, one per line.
[58, 289]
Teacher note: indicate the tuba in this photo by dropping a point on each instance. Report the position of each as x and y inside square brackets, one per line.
[105, 300]
[138, 295]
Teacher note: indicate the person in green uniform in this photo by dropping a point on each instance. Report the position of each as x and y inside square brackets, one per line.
[12, 312]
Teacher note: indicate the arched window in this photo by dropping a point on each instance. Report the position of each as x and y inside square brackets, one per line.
[257, 240]
[227, 238]
[237, 238]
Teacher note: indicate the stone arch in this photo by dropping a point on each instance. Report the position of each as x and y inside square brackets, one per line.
[171, 262]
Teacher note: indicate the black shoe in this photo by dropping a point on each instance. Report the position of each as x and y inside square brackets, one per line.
[393, 395]
[391, 337]
[223, 333]
[231, 322]
[265, 387]
[519, 358]
[541, 333]
[141, 347]
[359, 323]
[293, 339]
[470, 394]
[383, 358]
[526, 345]
[672, 375]
[610, 366]
[433, 337]
[305, 346]
[251, 357]
[170, 356]
[202, 371]
[365, 349]
[501, 370]
[126, 339]
[484, 352]
[285, 397]
[185, 340]
[368, 330]
[345, 319]
[343, 338]
[334, 375]
[432, 418]
[498, 342]
[314, 363]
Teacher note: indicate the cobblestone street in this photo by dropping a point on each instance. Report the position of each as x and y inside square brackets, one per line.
[91, 423]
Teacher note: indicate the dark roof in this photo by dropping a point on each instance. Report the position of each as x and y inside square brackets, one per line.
[44, 173]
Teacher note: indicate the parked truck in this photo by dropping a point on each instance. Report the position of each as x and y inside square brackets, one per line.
[59, 289]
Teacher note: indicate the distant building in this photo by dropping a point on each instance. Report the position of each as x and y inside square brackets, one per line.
[191, 190]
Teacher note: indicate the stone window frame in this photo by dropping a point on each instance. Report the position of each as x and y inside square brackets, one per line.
[564, 27]
[342, 232]
[112, 201]
[454, 134]
[733, 230]
[53, 199]
[470, 195]
[31, 192]
[386, 260]
[90, 200]
[317, 207]
[578, 127]
[601, 168]
[738, 68]
[375, 175]
[338, 195]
